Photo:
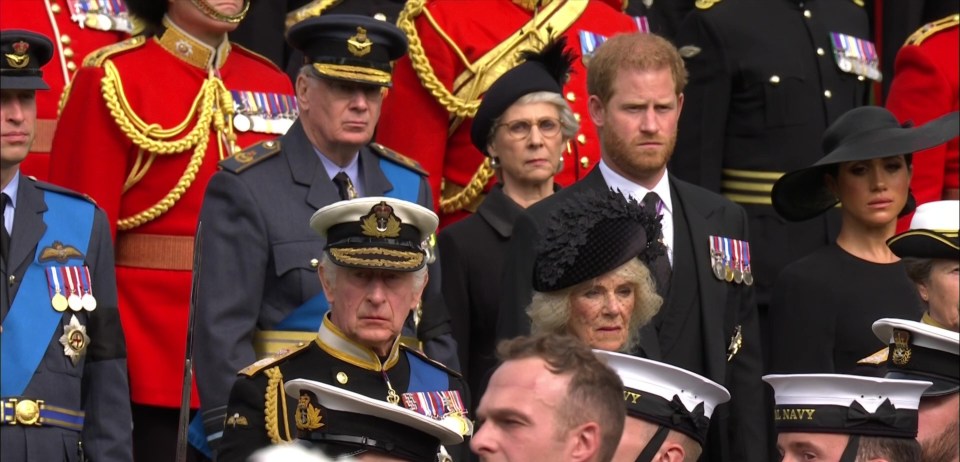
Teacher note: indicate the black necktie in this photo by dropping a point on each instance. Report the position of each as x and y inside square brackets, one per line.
[344, 186]
[661, 266]
[4, 236]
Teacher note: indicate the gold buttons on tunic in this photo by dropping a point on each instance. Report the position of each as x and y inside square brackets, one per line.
[314, 263]
[827, 94]
[584, 161]
[571, 96]
[71, 66]
[582, 139]
[342, 378]
[55, 8]
[774, 79]
[807, 14]
[68, 53]
[380, 17]
[820, 51]
[576, 116]
[65, 39]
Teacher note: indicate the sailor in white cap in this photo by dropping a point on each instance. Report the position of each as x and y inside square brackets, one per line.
[930, 250]
[339, 422]
[846, 418]
[668, 409]
[922, 352]
[373, 271]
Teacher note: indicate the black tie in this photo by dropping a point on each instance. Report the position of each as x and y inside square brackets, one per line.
[661, 266]
[4, 236]
[344, 186]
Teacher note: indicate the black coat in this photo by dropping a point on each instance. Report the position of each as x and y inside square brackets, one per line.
[717, 308]
[757, 101]
[472, 252]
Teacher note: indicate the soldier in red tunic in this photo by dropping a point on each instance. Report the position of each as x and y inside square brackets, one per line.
[926, 85]
[144, 125]
[76, 30]
[457, 49]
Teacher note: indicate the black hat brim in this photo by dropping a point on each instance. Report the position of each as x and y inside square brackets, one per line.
[23, 83]
[925, 243]
[940, 387]
[803, 194]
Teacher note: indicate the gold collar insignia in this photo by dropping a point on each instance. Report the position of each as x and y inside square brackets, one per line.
[190, 50]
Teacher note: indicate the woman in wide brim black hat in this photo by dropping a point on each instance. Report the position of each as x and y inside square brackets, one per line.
[930, 249]
[823, 305]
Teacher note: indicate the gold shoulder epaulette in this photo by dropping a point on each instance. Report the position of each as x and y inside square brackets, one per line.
[398, 158]
[310, 10]
[928, 30]
[875, 359]
[264, 363]
[250, 156]
[705, 4]
[435, 363]
[98, 56]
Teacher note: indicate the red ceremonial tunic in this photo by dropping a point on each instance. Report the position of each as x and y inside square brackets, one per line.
[414, 123]
[71, 43]
[93, 155]
[926, 85]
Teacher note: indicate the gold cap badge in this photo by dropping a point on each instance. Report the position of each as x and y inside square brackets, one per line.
[901, 347]
[19, 59]
[359, 44]
[308, 417]
[380, 222]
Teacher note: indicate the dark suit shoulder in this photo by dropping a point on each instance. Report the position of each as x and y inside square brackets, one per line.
[397, 158]
[432, 362]
[59, 189]
[251, 156]
[258, 367]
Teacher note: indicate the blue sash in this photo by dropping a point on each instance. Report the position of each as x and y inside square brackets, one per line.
[32, 321]
[425, 376]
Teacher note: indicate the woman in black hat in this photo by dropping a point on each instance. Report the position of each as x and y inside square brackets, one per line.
[591, 277]
[930, 250]
[523, 125]
[823, 305]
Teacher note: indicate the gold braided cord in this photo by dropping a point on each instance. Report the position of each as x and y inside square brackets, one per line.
[214, 104]
[271, 419]
[420, 63]
[473, 189]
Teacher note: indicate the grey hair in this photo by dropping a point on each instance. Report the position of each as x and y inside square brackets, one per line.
[568, 123]
[330, 271]
[307, 70]
[550, 311]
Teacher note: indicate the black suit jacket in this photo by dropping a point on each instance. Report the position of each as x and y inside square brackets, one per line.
[736, 427]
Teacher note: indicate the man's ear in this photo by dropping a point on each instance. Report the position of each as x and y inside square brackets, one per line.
[327, 286]
[597, 110]
[301, 86]
[671, 452]
[586, 442]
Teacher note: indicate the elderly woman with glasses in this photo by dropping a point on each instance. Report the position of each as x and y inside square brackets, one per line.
[522, 125]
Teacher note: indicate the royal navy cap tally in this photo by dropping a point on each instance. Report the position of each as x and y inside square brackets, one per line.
[24, 54]
[343, 422]
[349, 47]
[376, 232]
[665, 394]
[932, 234]
[846, 404]
[921, 352]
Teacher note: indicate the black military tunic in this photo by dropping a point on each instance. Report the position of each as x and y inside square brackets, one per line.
[764, 85]
[259, 414]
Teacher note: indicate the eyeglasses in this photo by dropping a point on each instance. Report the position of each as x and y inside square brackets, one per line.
[520, 129]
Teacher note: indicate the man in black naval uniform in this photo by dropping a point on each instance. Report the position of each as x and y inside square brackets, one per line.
[64, 393]
[254, 233]
[373, 274]
[767, 77]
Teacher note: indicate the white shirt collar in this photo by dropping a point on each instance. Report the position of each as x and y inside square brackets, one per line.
[618, 182]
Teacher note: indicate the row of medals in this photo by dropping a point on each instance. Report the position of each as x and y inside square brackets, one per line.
[74, 302]
[731, 270]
